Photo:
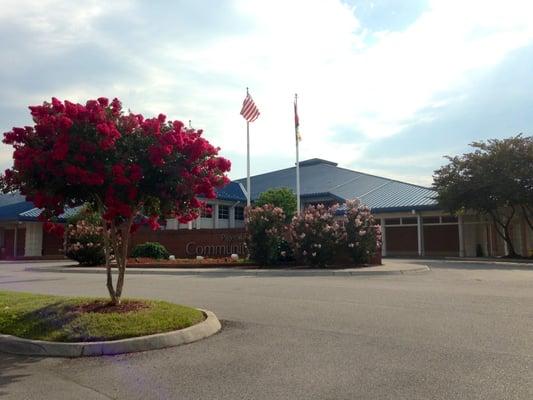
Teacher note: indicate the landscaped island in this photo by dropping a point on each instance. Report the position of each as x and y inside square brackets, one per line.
[86, 319]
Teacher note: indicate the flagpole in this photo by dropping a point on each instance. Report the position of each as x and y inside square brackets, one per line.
[297, 157]
[248, 192]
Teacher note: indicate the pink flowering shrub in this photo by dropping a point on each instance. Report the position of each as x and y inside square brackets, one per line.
[265, 230]
[119, 163]
[84, 239]
[362, 235]
[322, 236]
[315, 235]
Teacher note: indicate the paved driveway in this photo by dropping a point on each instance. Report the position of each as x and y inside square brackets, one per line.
[461, 331]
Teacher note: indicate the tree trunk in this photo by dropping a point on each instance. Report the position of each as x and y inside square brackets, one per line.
[509, 241]
[107, 252]
[122, 255]
[502, 229]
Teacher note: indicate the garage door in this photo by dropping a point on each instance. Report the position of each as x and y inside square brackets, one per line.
[441, 240]
[401, 240]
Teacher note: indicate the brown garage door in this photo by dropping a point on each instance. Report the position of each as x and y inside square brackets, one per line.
[401, 240]
[441, 240]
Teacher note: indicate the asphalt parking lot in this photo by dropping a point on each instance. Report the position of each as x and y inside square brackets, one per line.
[460, 331]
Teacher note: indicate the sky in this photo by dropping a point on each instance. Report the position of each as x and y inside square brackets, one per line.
[386, 87]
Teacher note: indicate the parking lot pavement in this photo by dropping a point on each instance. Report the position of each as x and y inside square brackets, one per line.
[461, 331]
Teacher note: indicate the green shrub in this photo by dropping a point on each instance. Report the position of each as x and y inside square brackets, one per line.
[283, 198]
[84, 238]
[151, 250]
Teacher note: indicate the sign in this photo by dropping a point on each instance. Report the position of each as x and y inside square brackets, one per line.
[182, 243]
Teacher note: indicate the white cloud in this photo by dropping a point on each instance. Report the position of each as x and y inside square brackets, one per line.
[375, 83]
[318, 49]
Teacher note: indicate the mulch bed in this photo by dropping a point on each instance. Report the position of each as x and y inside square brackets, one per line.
[104, 307]
[141, 262]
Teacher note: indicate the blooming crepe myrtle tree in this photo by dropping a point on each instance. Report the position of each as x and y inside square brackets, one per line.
[127, 168]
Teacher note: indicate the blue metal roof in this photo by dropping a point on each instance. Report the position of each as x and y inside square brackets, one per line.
[11, 212]
[321, 177]
[318, 178]
[233, 191]
[14, 207]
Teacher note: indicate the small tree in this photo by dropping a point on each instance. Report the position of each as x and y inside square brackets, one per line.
[283, 198]
[121, 164]
[495, 180]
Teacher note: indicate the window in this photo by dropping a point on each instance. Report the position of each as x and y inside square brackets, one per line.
[207, 212]
[223, 212]
[239, 213]
[409, 220]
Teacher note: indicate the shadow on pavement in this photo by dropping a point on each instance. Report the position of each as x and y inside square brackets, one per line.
[11, 367]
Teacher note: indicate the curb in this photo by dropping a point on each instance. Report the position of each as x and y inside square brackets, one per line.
[226, 272]
[15, 345]
[525, 263]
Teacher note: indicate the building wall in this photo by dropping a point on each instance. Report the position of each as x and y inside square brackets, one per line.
[197, 242]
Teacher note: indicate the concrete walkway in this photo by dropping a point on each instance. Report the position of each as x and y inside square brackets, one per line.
[388, 268]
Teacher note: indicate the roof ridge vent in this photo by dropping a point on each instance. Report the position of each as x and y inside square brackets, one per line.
[316, 161]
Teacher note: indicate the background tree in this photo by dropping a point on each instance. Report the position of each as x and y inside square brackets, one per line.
[495, 180]
[120, 164]
[283, 198]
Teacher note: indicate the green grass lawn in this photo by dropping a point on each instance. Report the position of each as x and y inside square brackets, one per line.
[84, 319]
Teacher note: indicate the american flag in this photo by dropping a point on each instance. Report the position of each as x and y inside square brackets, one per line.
[249, 110]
